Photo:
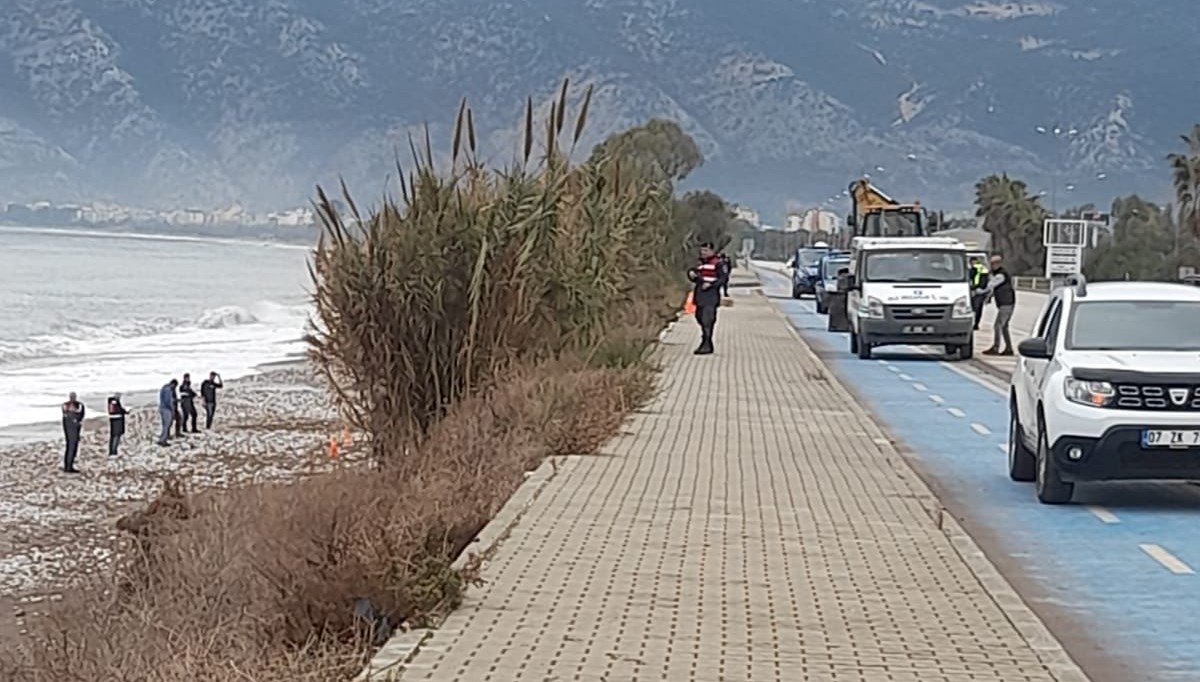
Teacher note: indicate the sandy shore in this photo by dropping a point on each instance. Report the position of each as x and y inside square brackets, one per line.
[270, 427]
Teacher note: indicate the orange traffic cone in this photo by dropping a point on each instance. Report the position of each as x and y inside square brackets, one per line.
[333, 448]
[689, 306]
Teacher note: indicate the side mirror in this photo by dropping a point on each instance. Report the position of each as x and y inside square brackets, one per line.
[1036, 349]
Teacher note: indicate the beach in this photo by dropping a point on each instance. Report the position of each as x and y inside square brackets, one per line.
[269, 428]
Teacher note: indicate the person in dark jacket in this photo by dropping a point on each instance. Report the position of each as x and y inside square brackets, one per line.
[167, 409]
[116, 423]
[727, 263]
[1000, 288]
[187, 403]
[73, 413]
[178, 416]
[979, 282]
[208, 392]
[708, 277]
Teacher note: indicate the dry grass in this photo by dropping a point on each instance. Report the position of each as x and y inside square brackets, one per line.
[261, 583]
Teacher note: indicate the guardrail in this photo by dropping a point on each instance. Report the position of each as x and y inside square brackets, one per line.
[1032, 284]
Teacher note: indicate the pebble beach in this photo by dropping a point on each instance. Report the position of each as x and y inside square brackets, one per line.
[271, 427]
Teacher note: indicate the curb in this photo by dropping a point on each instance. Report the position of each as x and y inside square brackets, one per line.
[388, 663]
[1031, 628]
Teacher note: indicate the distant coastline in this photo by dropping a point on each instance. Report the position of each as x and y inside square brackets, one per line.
[301, 235]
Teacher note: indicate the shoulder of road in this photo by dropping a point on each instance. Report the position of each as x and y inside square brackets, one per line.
[754, 523]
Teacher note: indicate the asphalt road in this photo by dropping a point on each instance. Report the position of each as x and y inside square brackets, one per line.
[1112, 576]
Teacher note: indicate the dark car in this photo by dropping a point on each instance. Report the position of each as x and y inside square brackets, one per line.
[828, 281]
[805, 272]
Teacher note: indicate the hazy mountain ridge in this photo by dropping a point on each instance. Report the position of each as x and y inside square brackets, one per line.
[212, 101]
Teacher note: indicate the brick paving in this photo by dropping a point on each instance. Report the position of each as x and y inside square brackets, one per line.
[751, 525]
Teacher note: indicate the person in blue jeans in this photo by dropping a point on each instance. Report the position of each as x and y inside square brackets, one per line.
[166, 409]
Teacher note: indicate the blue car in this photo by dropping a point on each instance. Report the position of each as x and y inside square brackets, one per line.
[804, 269]
[828, 282]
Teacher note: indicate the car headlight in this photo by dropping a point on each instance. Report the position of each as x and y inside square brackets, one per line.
[962, 308]
[1093, 393]
[871, 307]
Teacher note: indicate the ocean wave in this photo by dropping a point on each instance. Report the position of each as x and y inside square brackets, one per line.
[74, 338]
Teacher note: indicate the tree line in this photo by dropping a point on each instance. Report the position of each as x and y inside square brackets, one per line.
[1146, 241]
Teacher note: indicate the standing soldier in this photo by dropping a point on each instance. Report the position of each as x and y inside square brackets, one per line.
[116, 423]
[187, 402]
[727, 263]
[73, 413]
[708, 277]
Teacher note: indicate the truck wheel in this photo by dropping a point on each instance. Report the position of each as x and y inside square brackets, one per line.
[1022, 463]
[1051, 489]
[853, 342]
[795, 292]
[966, 352]
[864, 350]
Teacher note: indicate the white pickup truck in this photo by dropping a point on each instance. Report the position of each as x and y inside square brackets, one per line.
[910, 291]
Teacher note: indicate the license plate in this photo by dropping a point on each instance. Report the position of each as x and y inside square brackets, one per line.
[1169, 438]
[918, 329]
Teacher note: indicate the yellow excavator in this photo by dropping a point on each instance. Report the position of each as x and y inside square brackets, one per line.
[875, 214]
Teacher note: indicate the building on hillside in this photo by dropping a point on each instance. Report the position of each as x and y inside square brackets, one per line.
[296, 217]
[795, 223]
[746, 214]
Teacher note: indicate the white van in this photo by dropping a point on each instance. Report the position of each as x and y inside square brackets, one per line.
[910, 291]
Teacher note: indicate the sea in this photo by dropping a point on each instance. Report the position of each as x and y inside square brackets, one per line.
[98, 313]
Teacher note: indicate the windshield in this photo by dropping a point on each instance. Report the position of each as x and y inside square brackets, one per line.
[1136, 325]
[916, 266]
[806, 258]
[832, 265]
[893, 224]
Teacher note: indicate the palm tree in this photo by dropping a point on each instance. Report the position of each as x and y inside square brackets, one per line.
[1014, 218]
[1185, 171]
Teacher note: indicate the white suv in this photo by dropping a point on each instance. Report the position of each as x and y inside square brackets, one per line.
[1108, 388]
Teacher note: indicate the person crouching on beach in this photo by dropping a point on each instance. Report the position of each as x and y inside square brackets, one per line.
[167, 408]
[116, 423]
[73, 412]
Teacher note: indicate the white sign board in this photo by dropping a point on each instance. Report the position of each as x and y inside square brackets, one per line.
[1062, 259]
[1065, 232]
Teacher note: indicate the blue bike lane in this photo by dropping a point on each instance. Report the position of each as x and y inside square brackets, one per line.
[1116, 568]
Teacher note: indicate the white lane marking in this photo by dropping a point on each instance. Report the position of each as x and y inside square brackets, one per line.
[1103, 514]
[1168, 560]
[893, 368]
[905, 377]
[1003, 447]
[987, 381]
[980, 429]
[954, 411]
[882, 362]
[937, 399]
[921, 387]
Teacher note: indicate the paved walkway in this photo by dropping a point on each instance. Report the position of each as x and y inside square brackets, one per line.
[752, 525]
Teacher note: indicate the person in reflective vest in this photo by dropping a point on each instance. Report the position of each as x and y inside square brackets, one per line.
[708, 277]
[979, 281]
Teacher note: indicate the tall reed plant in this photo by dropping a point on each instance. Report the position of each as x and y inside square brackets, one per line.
[430, 298]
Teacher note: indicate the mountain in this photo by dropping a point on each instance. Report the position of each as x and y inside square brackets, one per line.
[207, 102]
